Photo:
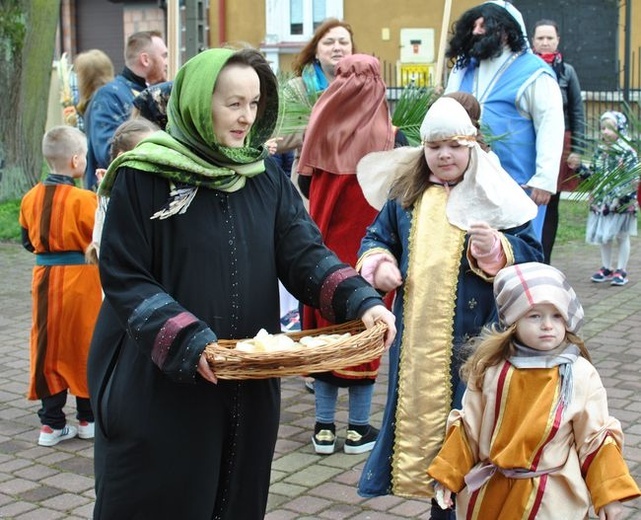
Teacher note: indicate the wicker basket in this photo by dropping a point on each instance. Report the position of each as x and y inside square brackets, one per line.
[363, 345]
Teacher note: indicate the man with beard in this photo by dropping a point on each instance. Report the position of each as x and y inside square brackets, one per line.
[145, 64]
[522, 107]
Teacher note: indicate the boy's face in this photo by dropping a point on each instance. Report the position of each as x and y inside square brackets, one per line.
[78, 163]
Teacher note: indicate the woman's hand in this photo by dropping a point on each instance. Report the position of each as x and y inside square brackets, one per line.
[381, 313]
[205, 370]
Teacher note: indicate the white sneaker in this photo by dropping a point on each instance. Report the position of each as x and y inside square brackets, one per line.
[86, 430]
[51, 437]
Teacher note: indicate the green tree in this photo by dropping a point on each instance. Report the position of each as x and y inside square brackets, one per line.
[27, 38]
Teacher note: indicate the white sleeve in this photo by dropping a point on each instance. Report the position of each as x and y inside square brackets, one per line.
[542, 102]
[99, 222]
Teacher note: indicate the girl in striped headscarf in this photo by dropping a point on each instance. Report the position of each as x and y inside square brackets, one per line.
[534, 438]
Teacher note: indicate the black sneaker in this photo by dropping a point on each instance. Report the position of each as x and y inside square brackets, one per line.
[324, 440]
[360, 443]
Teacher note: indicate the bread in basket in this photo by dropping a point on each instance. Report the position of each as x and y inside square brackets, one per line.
[355, 345]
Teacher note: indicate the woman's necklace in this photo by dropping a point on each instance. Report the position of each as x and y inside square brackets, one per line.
[494, 79]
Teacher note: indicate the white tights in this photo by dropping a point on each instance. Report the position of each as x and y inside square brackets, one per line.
[623, 241]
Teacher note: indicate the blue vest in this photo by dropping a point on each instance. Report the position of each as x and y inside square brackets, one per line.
[516, 143]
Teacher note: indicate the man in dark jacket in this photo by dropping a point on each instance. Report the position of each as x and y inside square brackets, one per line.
[145, 64]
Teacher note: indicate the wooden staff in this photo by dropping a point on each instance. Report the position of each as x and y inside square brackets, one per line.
[173, 37]
[440, 60]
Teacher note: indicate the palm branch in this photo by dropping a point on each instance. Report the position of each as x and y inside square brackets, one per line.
[621, 179]
[410, 110]
[295, 106]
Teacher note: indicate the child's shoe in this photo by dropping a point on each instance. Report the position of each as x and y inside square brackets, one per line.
[86, 430]
[360, 439]
[324, 438]
[602, 275]
[309, 384]
[620, 277]
[51, 437]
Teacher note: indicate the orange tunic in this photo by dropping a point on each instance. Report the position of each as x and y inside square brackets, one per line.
[515, 423]
[59, 218]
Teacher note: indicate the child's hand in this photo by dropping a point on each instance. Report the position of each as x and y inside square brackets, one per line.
[574, 160]
[272, 145]
[443, 496]
[611, 511]
[100, 173]
[387, 277]
[482, 238]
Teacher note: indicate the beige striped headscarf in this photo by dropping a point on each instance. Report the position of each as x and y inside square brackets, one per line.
[519, 287]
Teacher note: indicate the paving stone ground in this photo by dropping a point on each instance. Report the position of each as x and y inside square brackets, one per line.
[38, 483]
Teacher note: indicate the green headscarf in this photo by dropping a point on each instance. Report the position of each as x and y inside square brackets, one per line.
[188, 152]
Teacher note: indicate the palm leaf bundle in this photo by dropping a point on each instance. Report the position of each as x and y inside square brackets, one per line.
[410, 110]
[620, 179]
[295, 105]
[619, 182]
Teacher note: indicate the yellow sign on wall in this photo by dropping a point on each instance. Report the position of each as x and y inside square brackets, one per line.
[418, 74]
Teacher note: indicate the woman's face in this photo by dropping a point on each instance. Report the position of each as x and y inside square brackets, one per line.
[334, 45]
[447, 160]
[234, 104]
[545, 39]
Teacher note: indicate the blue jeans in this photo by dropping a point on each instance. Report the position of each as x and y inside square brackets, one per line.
[360, 402]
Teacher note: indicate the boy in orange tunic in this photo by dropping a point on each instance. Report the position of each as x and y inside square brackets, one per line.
[534, 438]
[57, 220]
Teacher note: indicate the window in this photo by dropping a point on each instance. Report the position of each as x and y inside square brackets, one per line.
[296, 16]
[299, 10]
[296, 20]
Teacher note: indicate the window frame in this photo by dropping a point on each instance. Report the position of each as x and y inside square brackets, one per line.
[278, 19]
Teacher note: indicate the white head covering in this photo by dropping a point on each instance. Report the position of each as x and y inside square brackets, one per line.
[447, 120]
[516, 14]
[486, 194]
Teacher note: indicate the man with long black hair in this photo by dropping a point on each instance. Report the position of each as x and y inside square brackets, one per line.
[522, 108]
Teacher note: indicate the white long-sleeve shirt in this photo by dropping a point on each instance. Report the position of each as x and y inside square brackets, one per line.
[539, 99]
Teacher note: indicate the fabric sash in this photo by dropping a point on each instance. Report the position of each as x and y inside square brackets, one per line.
[61, 258]
[483, 472]
[424, 389]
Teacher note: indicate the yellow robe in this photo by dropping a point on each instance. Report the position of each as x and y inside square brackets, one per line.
[514, 422]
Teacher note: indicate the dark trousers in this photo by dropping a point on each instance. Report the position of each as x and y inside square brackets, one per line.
[442, 514]
[52, 415]
[550, 225]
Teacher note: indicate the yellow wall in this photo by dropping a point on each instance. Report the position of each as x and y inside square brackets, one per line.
[635, 42]
[368, 23]
[245, 21]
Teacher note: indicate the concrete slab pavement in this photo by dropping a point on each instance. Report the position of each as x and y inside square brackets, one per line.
[38, 483]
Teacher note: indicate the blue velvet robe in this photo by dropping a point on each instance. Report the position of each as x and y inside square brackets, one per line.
[473, 308]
